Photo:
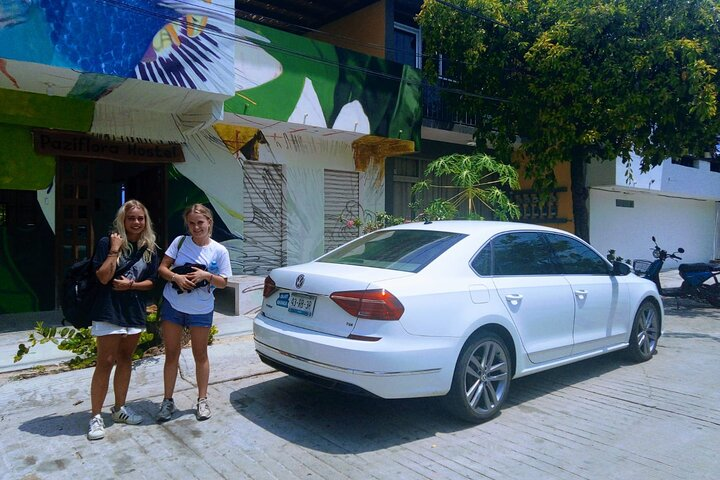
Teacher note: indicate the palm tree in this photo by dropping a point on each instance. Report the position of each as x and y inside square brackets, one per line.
[478, 177]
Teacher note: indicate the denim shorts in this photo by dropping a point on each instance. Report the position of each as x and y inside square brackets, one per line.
[167, 312]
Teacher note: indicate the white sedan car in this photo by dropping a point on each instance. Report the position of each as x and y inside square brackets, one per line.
[453, 308]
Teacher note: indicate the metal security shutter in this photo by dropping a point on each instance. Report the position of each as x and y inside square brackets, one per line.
[342, 201]
[265, 226]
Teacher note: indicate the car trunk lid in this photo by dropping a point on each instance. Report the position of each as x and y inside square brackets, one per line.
[302, 297]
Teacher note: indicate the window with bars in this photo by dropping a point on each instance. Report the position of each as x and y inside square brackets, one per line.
[533, 210]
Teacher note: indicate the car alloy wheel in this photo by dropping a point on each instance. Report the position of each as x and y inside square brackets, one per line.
[645, 332]
[482, 379]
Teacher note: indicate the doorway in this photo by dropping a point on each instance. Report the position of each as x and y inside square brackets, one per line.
[89, 193]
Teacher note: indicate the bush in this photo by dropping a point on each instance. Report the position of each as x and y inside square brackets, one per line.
[83, 345]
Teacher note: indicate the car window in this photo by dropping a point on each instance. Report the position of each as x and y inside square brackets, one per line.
[522, 253]
[575, 258]
[405, 250]
[482, 263]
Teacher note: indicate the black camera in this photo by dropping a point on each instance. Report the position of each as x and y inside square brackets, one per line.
[184, 270]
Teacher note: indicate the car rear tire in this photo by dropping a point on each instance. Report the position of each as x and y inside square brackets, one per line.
[645, 332]
[481, 381]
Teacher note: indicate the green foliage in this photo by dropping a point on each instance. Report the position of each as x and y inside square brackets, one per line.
[368, 221]
[581, 80]
[79, 342]
[83, 345]
[478, 177]
[608, 77]
[440, 209]
[614, 258]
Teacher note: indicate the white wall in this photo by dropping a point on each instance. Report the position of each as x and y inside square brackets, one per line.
[675, 222]
[690, 182]
[305, 157]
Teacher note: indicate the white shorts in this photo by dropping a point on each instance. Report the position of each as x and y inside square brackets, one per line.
[100, 329]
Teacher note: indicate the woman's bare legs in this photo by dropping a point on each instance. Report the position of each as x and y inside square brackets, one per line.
[172, 338]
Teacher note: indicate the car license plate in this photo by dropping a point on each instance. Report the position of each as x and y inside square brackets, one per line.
[301, 304]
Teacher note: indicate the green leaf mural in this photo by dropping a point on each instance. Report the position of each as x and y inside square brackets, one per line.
[300, 58]
[20, 167]
[388, 92]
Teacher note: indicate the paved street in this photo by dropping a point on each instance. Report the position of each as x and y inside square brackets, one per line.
[602, 418]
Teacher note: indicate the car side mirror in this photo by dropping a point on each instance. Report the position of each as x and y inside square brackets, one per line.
[621, 269]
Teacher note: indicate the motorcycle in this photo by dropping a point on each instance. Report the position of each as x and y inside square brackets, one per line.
[695, 276]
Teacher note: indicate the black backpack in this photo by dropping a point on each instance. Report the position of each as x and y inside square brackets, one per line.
[80, 287]
[78, 291]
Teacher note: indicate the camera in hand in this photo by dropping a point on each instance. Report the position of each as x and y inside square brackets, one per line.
[184, 270]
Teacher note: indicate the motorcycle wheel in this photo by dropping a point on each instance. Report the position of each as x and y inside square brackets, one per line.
[712, 293]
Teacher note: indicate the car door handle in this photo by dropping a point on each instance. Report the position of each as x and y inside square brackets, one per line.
[513, 298]
[581, 294]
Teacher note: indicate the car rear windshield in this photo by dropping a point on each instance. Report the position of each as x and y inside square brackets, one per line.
[404, 250]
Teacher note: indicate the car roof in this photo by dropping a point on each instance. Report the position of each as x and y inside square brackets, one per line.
[486, 228]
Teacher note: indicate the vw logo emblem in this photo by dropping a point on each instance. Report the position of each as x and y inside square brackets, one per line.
[300, 280]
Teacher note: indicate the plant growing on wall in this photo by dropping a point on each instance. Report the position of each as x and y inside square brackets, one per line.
[479, 178]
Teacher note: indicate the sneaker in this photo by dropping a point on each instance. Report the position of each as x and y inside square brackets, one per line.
[96, 429]
[125, 415]
[167, 408]
[202, 411]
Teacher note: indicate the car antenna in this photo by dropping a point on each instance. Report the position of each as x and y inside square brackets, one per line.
[427, 220]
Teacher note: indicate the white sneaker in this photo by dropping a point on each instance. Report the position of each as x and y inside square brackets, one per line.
[125, 415]
[202, 411]
[96, 429]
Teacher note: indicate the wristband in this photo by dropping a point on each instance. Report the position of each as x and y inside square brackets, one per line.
[112, 254]
[172, 279]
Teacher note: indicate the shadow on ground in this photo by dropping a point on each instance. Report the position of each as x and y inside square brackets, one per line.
[76, 423]
[339, 423]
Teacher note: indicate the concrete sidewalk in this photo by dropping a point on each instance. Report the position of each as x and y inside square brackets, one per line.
[49, 355]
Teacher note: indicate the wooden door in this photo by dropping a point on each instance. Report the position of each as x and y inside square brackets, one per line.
[74, 235]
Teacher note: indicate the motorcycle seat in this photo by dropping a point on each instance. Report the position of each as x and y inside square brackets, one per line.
[694, 267]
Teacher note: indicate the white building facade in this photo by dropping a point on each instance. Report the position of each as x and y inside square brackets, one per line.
[676, 203]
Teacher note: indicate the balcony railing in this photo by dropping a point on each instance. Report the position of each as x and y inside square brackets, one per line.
[439, 112]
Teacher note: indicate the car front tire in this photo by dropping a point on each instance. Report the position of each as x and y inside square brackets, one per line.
[481, 382]
[645, 332]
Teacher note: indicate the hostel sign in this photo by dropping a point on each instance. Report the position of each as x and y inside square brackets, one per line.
[70, 144]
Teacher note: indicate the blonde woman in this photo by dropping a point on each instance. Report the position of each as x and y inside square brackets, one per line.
[126, 265]
[188, 302]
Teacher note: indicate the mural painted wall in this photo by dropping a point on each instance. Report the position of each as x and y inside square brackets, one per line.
[103, 67]
[182, 43]
[308, 107]
[284, 77]
[299, 107]
[26, 176]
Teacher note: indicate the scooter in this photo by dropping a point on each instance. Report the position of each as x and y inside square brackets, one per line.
[694, 275]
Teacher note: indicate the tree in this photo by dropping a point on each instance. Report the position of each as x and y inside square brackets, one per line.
[581, 80]
[477, 178]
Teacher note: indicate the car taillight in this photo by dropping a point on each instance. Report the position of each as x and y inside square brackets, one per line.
[269, 287]
[371, 304]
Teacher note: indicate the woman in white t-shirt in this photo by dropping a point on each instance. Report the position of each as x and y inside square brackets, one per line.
[188, 301]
